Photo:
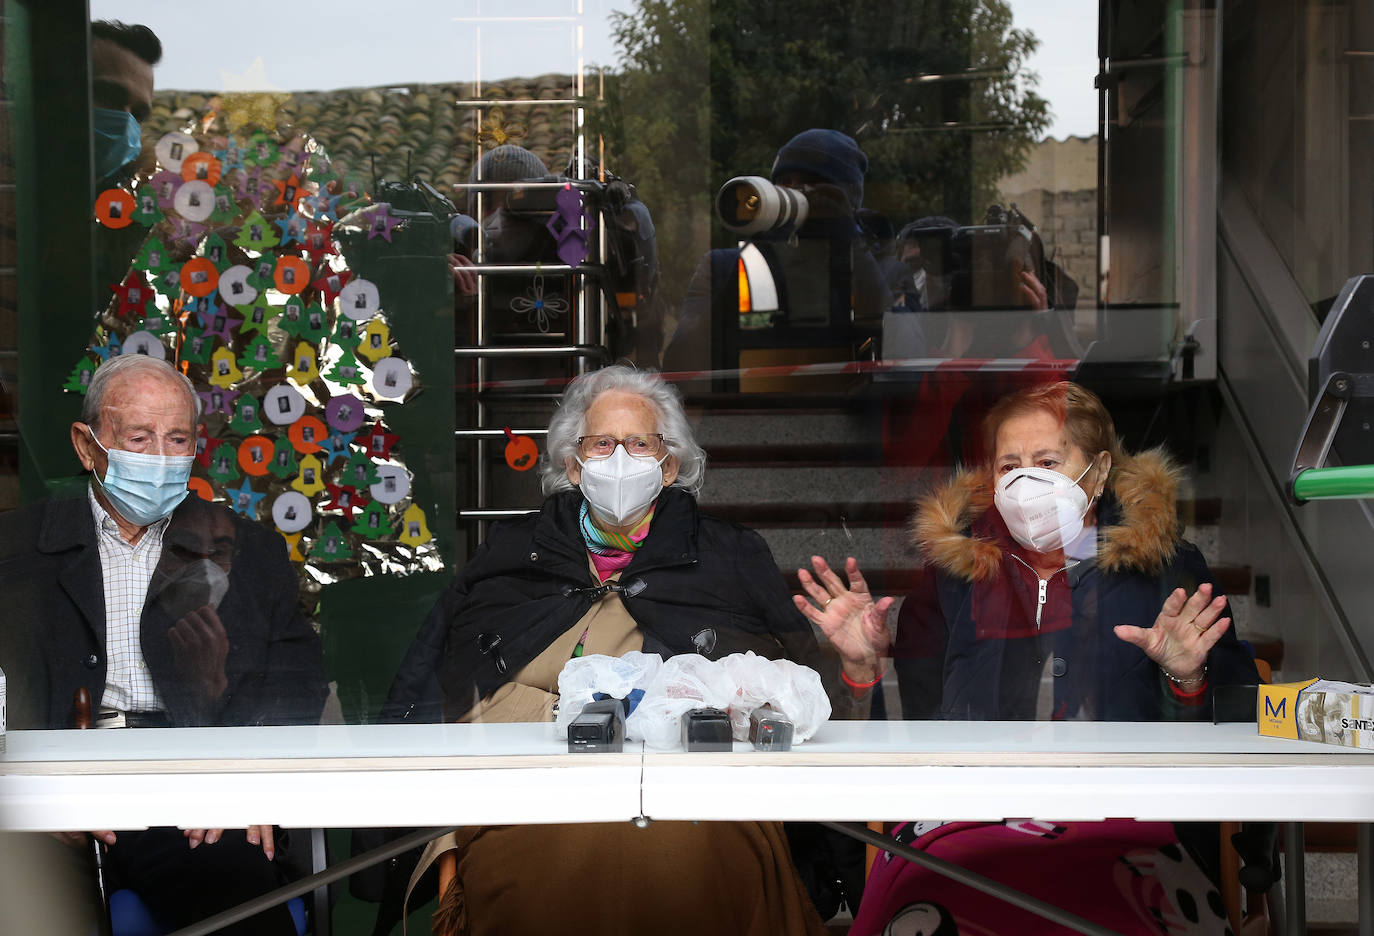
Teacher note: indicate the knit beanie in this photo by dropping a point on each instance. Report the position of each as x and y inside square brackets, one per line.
[829, 155]
[506, 163]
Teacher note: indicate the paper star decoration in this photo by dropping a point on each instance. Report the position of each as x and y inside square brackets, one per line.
[373, 522]
[105, 351]
[331, 284]
[319, 240]
[133, 294]
[218, 400]
[381, 222]
[345, 498]
[218, 322]
[257, 317]
[336, 445]
[244, 500]
[331, 546]
[231, 157]
[310, 481]
[253, 109]
[288, 191]
[378, 442]
[292, 228]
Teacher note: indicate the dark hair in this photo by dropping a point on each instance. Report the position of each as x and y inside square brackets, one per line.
[140, 40]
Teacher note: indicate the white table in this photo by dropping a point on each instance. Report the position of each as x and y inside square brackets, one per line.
[433, 775]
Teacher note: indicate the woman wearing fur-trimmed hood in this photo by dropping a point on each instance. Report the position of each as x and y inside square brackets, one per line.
[1057, 583]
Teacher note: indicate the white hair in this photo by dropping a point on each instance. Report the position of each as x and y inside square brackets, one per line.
[127, 365]
[570, 422]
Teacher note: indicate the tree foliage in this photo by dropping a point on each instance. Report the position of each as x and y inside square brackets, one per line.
[935, 92]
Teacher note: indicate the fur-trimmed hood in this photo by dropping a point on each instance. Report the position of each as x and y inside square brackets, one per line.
[1138, 526]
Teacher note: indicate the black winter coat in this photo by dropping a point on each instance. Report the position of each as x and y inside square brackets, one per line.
[696, 585]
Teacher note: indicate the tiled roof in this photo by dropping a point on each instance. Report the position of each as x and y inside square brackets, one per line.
[421, 125]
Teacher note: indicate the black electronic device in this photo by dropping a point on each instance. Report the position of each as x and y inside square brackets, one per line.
[770, 730]
[598, 728]
[706, 729]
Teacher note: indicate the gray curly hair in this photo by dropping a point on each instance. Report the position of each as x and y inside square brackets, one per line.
[570, 420]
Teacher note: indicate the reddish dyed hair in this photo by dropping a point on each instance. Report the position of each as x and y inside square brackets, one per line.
[1084, 418]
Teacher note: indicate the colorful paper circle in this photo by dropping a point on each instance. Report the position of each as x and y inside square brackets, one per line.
[173, 148]
[145, 342]
[391, 378]
[201, 167]
[199, 277]
[291, 512]
[194, 201]
[234, 285]
[345, 412]
[292, 275]
[358, 300]
[283, 405]
[114, 208]
[522, 453]
[255, 454]
[305, 434]
[201, 488]
[393, 484]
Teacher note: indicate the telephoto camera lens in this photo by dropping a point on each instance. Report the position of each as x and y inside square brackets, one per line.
[752, 204]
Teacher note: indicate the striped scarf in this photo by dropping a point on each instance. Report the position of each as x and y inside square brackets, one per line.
[612, 552]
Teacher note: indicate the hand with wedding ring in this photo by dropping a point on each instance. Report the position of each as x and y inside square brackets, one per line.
[851, 620]
[1183, 634]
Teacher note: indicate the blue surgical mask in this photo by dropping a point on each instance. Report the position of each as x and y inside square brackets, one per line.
[117, 140]
[144, 488]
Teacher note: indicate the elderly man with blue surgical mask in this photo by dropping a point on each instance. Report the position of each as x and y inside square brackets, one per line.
[169, 612]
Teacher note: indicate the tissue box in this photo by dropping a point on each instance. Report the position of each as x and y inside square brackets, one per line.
[1319, 710]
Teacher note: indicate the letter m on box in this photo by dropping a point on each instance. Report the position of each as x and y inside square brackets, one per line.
[1275, 711]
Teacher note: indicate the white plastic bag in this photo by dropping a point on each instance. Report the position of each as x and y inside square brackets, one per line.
[684, 682]
[792, 689]
[583, 677]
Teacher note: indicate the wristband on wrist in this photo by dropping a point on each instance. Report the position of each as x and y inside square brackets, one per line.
[1187, 685]
[860, 685]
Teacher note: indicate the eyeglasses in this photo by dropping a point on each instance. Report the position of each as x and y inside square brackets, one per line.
[649, 445]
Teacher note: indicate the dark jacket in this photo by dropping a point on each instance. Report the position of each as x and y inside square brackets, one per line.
[52, 620]
[968, 644]
[696, 585]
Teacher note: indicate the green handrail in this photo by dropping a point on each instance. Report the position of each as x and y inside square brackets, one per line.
[1331, 483]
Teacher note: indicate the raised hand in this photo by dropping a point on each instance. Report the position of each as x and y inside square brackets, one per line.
[1183, 634]
[851, 620]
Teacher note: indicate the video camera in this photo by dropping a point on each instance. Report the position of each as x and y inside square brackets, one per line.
[978, 267]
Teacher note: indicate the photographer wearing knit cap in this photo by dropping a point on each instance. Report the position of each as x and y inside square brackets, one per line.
[826, 279]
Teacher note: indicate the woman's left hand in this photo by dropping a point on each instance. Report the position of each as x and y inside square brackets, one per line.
[1183, 634]
[851, 620]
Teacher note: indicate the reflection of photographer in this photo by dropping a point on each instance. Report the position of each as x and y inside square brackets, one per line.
[987, 274]
[805, 277]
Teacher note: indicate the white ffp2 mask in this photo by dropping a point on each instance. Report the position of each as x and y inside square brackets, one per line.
[1043, 509]
[620, 488]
